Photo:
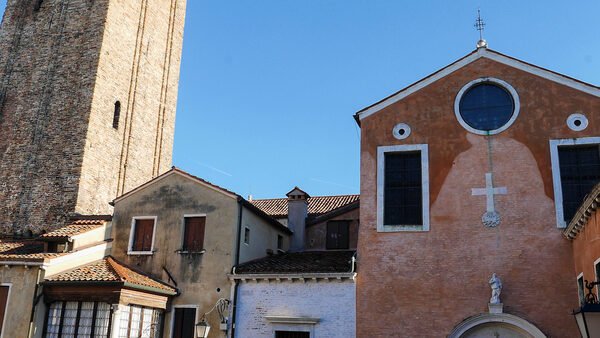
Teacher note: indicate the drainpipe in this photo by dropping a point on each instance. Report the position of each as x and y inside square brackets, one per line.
[236, 262]
[36, 300]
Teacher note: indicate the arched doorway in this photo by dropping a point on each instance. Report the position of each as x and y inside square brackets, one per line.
[502, 325]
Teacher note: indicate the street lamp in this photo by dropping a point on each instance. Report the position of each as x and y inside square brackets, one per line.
[588, 315]
[202, 327]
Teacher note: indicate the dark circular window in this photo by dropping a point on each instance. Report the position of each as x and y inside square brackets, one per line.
[486, 106]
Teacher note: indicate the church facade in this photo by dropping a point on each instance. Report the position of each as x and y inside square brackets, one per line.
[472, 171]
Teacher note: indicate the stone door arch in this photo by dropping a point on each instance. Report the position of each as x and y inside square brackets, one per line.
[496, 325]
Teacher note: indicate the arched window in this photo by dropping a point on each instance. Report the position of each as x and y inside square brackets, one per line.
[117, 115]
[38, 5]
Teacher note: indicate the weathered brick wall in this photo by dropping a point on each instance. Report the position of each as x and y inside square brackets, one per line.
[333, 303]
[61, 69]
[423, 284]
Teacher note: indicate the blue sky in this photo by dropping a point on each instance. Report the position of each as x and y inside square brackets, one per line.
[268, 88]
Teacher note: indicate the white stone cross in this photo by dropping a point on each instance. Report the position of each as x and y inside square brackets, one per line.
[490, 218]
[489, 191]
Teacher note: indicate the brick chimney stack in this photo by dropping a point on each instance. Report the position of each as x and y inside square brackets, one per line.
[297, 213]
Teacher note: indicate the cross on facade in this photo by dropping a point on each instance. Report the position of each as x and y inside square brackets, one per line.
[490, 217]
[489, 191]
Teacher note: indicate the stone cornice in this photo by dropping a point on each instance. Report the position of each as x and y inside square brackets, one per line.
[583, 214]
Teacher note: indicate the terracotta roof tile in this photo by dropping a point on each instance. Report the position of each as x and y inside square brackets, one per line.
[318, 205]
[110, 270]
[26, 251]
[74, 228]
[300, 262]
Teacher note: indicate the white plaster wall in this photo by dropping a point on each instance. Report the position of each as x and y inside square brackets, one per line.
[333, 303]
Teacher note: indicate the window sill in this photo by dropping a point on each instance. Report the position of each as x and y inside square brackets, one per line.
[185, 252]
[402, 228]
[140, 253]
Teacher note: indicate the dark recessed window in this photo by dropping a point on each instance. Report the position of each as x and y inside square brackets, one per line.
[117, 115]
[279, 242]
[486, 106]
[37, 5]
[579, 172]
[403, 195]
[246, 235]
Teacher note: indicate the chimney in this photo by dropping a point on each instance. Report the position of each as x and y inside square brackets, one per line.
[297, 212]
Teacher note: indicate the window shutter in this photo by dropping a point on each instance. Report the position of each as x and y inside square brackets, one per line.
[194, 233]
[337, 235]
[142, 240]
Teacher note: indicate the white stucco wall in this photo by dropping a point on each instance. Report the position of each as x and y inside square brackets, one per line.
[332, 302]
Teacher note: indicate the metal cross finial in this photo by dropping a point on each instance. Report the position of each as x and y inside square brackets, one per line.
[480, 26]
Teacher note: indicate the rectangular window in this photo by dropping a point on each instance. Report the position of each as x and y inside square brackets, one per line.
[246, 235]
[292, 334]
[575, 171]
[78, 319]
[580, 290]
[140, 322]
[142, 233]
[279, 242]
[337, 235]
[193, 238]
[403, 188]
[184, 322]
[4, 289]
[579, 172]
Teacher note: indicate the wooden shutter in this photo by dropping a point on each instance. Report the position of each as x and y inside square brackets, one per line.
[337, 235]
[194, 233]
[3, 304]
[184, 323]
[142, 240]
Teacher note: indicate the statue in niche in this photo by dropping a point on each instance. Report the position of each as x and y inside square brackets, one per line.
[496, 285]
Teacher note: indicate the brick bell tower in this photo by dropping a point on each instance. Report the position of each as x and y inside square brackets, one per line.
[88, 92]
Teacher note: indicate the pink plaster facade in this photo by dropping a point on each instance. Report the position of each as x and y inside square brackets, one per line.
[423, 284]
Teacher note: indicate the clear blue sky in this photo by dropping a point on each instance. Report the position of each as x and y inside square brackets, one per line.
[268, 88]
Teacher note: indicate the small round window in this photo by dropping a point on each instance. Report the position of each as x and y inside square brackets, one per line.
[486, 106]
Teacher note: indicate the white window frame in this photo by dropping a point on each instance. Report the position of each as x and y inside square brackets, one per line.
[7, 305]
[183, 229]
[558, 196]
[189, 306]
[583, 288]
[381, 151]
[132, 232]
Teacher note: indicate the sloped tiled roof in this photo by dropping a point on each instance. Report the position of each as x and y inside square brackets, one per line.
[318, 205]
[24, 251]
[74, 228]
[110, 270]
[300, 262]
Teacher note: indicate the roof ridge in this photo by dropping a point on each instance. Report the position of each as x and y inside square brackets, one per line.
[285, 198]
[115, 267]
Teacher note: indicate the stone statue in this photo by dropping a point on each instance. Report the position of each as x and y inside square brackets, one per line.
[496, 285]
